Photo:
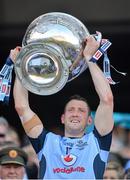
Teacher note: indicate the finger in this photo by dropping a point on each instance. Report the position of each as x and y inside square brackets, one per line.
[18, 48]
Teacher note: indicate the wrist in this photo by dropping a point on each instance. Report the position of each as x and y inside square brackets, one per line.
[87, 58]
[9, 61]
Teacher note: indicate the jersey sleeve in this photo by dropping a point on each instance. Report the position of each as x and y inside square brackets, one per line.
[38, 142]
[104, 141]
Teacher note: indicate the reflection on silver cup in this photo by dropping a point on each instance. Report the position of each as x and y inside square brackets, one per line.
[51, 53]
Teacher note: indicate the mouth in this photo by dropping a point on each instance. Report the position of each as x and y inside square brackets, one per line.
[75, 121]
[12, 177]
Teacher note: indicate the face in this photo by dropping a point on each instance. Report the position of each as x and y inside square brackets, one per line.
[12, 136]
[75, 117]
[110, 174]
[3, 131]
[12, 171]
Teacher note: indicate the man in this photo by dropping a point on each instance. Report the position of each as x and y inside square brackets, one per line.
[114, 170]
[12, 163]
[3, 129]
[76, 155]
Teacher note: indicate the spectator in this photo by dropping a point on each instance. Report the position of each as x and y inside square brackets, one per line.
[12, 161]
[12, 136]
[113, 170]
[3, 129]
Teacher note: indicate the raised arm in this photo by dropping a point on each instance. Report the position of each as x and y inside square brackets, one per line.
[104, 113]
[30, 121]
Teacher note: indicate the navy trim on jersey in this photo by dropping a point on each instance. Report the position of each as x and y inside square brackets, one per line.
[42, 167]
[103, 141]
[98, 167]
[38, 142]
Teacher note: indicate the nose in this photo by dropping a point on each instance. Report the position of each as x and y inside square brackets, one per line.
[76, 113]
[12, 170]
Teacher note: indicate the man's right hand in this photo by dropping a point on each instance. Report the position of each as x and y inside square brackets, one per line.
[14, 53]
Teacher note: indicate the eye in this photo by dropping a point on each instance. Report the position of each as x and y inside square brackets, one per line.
[82, 110]
[70, 110]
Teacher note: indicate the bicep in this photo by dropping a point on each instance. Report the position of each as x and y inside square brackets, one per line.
[104, 118]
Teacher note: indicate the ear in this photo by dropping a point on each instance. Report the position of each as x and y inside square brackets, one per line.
[89, 120]
[62, 118]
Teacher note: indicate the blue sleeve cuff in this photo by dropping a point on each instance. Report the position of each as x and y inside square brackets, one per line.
[9, 61]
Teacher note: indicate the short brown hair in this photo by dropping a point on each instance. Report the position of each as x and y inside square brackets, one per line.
[112, 165]
[79, 98]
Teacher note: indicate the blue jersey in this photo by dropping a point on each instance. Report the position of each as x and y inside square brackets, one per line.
[72, 158]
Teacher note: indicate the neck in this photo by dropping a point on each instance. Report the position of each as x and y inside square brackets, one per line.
[76, 135]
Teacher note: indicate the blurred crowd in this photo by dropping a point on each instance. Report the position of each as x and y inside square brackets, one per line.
[9, 138]
[118, 166]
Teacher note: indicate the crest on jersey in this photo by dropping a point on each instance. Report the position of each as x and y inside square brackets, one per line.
[69, 159]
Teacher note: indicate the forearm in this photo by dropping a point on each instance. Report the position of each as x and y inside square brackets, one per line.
[21, 101]
[101, 84]
[30, 121]
[104, 114]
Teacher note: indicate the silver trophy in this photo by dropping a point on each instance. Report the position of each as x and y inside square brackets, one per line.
[51, 53]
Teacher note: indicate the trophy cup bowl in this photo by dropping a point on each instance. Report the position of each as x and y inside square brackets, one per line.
[51, 53]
